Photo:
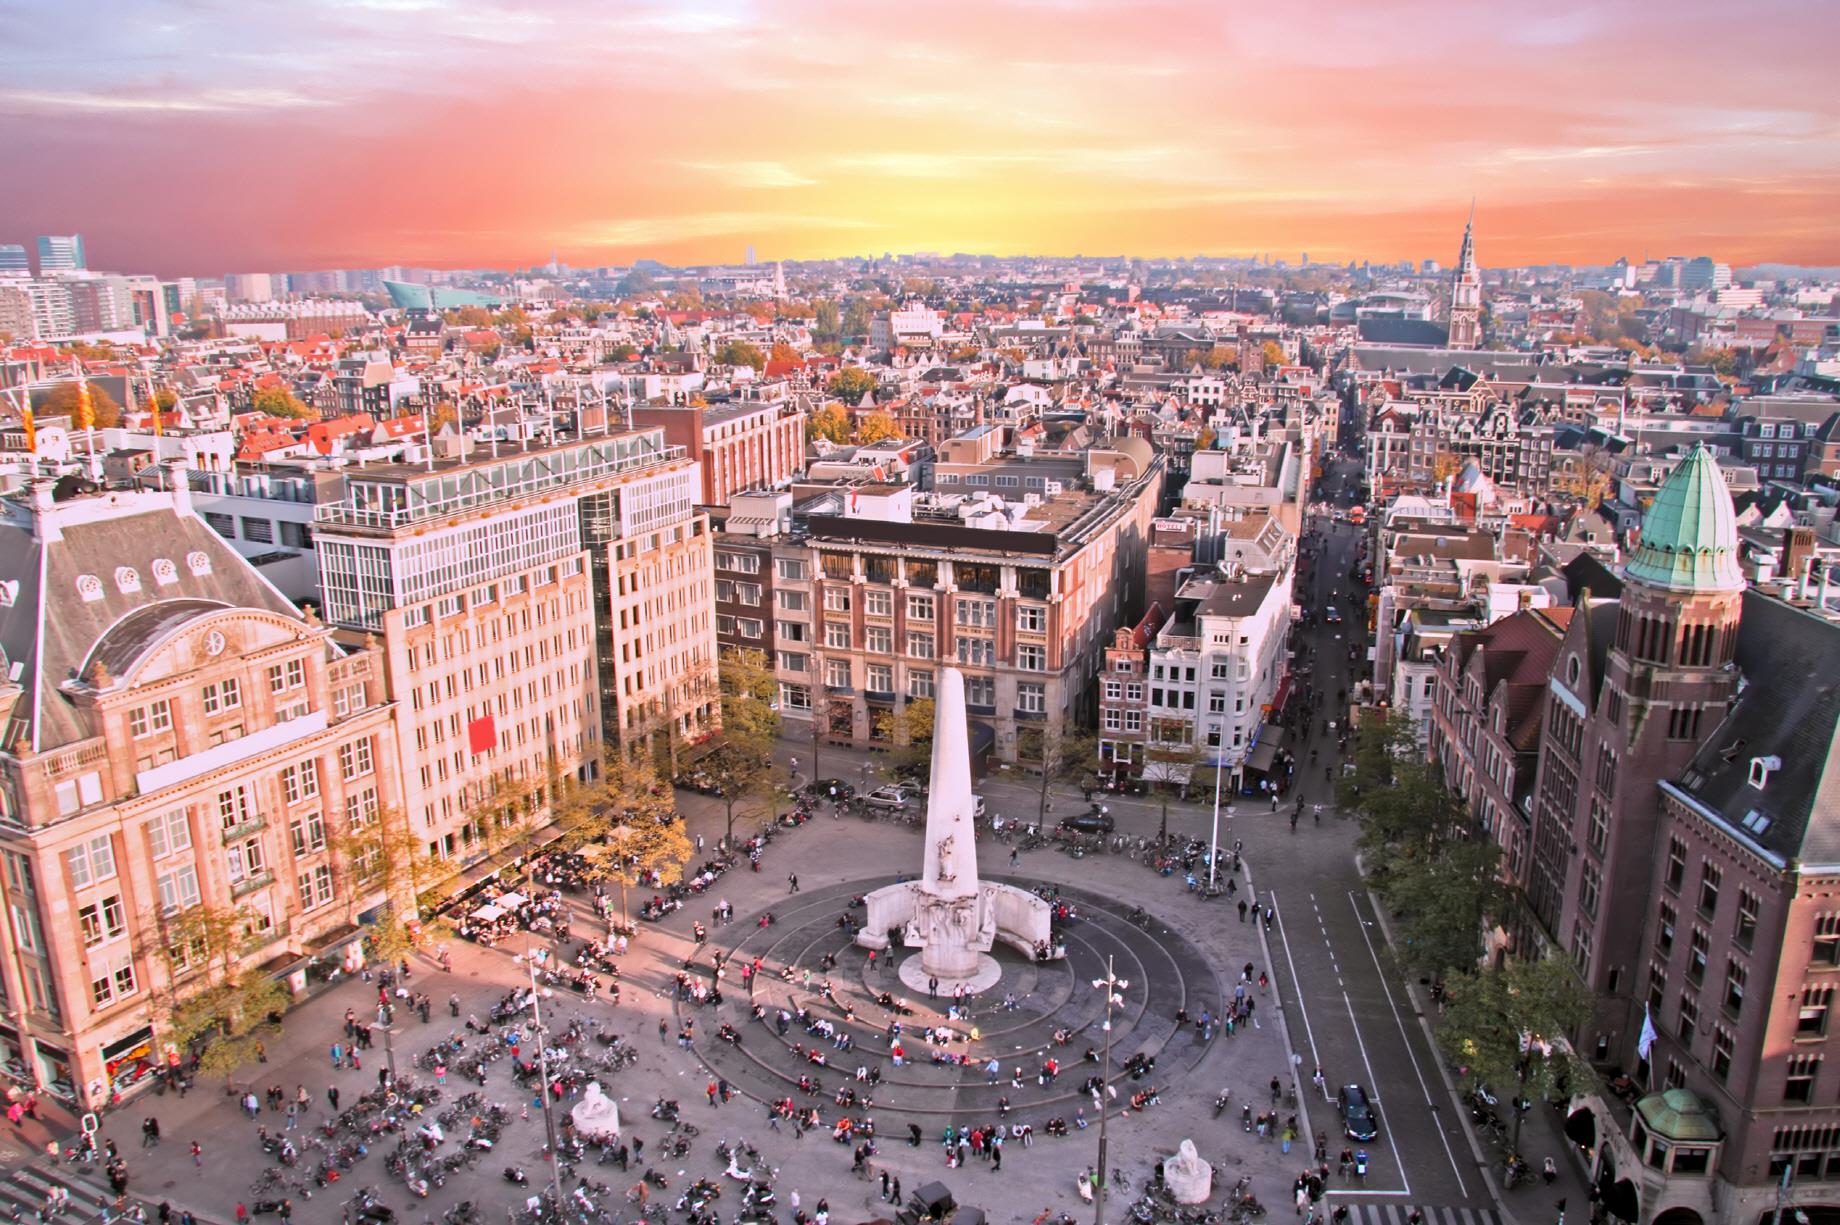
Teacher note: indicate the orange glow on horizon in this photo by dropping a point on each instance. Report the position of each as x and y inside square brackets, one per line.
[487, 134]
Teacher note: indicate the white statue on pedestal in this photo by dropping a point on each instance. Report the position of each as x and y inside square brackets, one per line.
[1189, 1179]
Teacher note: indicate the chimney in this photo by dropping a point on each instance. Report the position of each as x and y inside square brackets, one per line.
[180, 487]
[1798, 549]
[44, 513]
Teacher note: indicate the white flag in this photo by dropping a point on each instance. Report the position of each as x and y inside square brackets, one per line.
[1647, 1041]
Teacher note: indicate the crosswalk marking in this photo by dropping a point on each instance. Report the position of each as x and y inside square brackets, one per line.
[1400, 1214]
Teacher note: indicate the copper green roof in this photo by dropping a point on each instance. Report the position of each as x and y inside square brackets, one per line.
[1678, 1114]
[1690, 534]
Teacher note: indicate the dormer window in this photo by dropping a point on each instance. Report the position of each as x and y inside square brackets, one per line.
[1762, 768]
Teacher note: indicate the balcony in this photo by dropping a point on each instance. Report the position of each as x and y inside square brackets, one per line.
[249, 884]
[254, 825]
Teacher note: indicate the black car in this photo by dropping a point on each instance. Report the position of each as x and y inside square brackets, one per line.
[1089, 823]
[1358, 1118]
[830, 789]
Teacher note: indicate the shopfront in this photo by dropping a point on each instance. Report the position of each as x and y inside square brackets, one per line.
[129, 1061]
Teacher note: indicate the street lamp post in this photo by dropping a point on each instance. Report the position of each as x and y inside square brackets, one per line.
[384, 1017]
[549, 1121]
[1214, 852]
[1111, 984]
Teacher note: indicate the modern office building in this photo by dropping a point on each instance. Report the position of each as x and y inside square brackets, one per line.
[530, 607]
[740, 445]
[13, 259]
[61, 253]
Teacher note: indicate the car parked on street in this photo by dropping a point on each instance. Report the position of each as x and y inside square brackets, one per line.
[894, 795]
[1089, 823]
[830, 789]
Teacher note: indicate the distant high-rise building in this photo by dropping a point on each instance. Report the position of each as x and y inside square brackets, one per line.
[13, 258]
[750, 255]
[61, 253]
[1466, 292]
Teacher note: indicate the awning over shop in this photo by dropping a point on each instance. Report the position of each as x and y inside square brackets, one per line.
[1282, 694]
[1265, 748]
[488, 912]
[1581, 1127]
[510, 901]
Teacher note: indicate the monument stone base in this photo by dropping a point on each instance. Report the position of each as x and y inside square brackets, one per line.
[914, 977]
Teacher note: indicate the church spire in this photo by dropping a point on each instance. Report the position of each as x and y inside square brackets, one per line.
[1466, 291]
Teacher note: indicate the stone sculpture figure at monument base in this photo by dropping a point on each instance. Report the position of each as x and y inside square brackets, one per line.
[1189, 1179]
[952, 917]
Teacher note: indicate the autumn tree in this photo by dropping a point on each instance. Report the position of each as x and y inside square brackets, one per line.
[1170, 765]
[1509, 1025]
[826, 322]
[62, 401]
[876, 427]
[1061, 754]
[280, 402]
[907, 735]
[856, 319]
[215, 1005]
[636, 847]
[783, 352]
[621, 352]
[831, 422]
[741, 353]
[851, 385]
[1273, 353]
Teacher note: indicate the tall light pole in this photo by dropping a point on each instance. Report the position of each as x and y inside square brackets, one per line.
[1214, 853]
[549, 1122]
[1112, 985]
[385, 1015]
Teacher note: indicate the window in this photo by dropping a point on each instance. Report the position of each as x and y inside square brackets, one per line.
[178, 889]
[1799, 1077]
[285, 676]
[223, 695]
[919, 645]
[793, 661]
[1590, 884]
[790, 631]
[792, 601]
[878, 678]
[349, 700]
[1657, 986]
[169, 833]
[1031, 619]
[315, 887]
[836, 599]
[234, 808]
[1748, 907]
[361, 808]
[1032, 699]
[1664, 929]
[1581, 946]
[791, 569]
[1597, 836]
[879, 639]
[1689, 1017]
[977, 651]
[1721, 1051]
[91, 862]
[837, 673]
[1032, 658]
[262, 531]
[919, 683]
[245, 860]
[794, 697]
[1676, 864]
[1698, 947]
[1811, 1021]
[112, 979]
[1709, 878]
[102, 921]
[980, 691]
[308, 833]
[300, 782]
[1735, 978]
[749, 627]
[355, 760]
[837, 635]
[978, 613]
[919, 608]
[878, 604]
[150, 719]
[1826, 950]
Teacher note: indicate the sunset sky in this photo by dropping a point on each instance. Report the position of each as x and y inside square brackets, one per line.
[199, 137]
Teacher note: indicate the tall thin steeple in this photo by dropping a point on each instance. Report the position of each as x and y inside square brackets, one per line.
[1466, 291]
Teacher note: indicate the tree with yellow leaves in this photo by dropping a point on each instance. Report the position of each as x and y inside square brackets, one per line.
[831, 422]
[876, 427]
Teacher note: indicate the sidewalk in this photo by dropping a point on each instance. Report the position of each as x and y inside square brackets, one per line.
[1531, 1202]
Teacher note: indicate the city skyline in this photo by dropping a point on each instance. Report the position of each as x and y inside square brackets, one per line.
[422, 132]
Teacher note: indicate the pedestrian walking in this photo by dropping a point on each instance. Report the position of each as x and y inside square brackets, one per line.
[197, 1155]
[894, 1197]
[932, 988]
[1242, 910]
[453, 1003]
[885, 1178]
[150, 1132]
[332, 1095]
[792, 886]
[338, 1056]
